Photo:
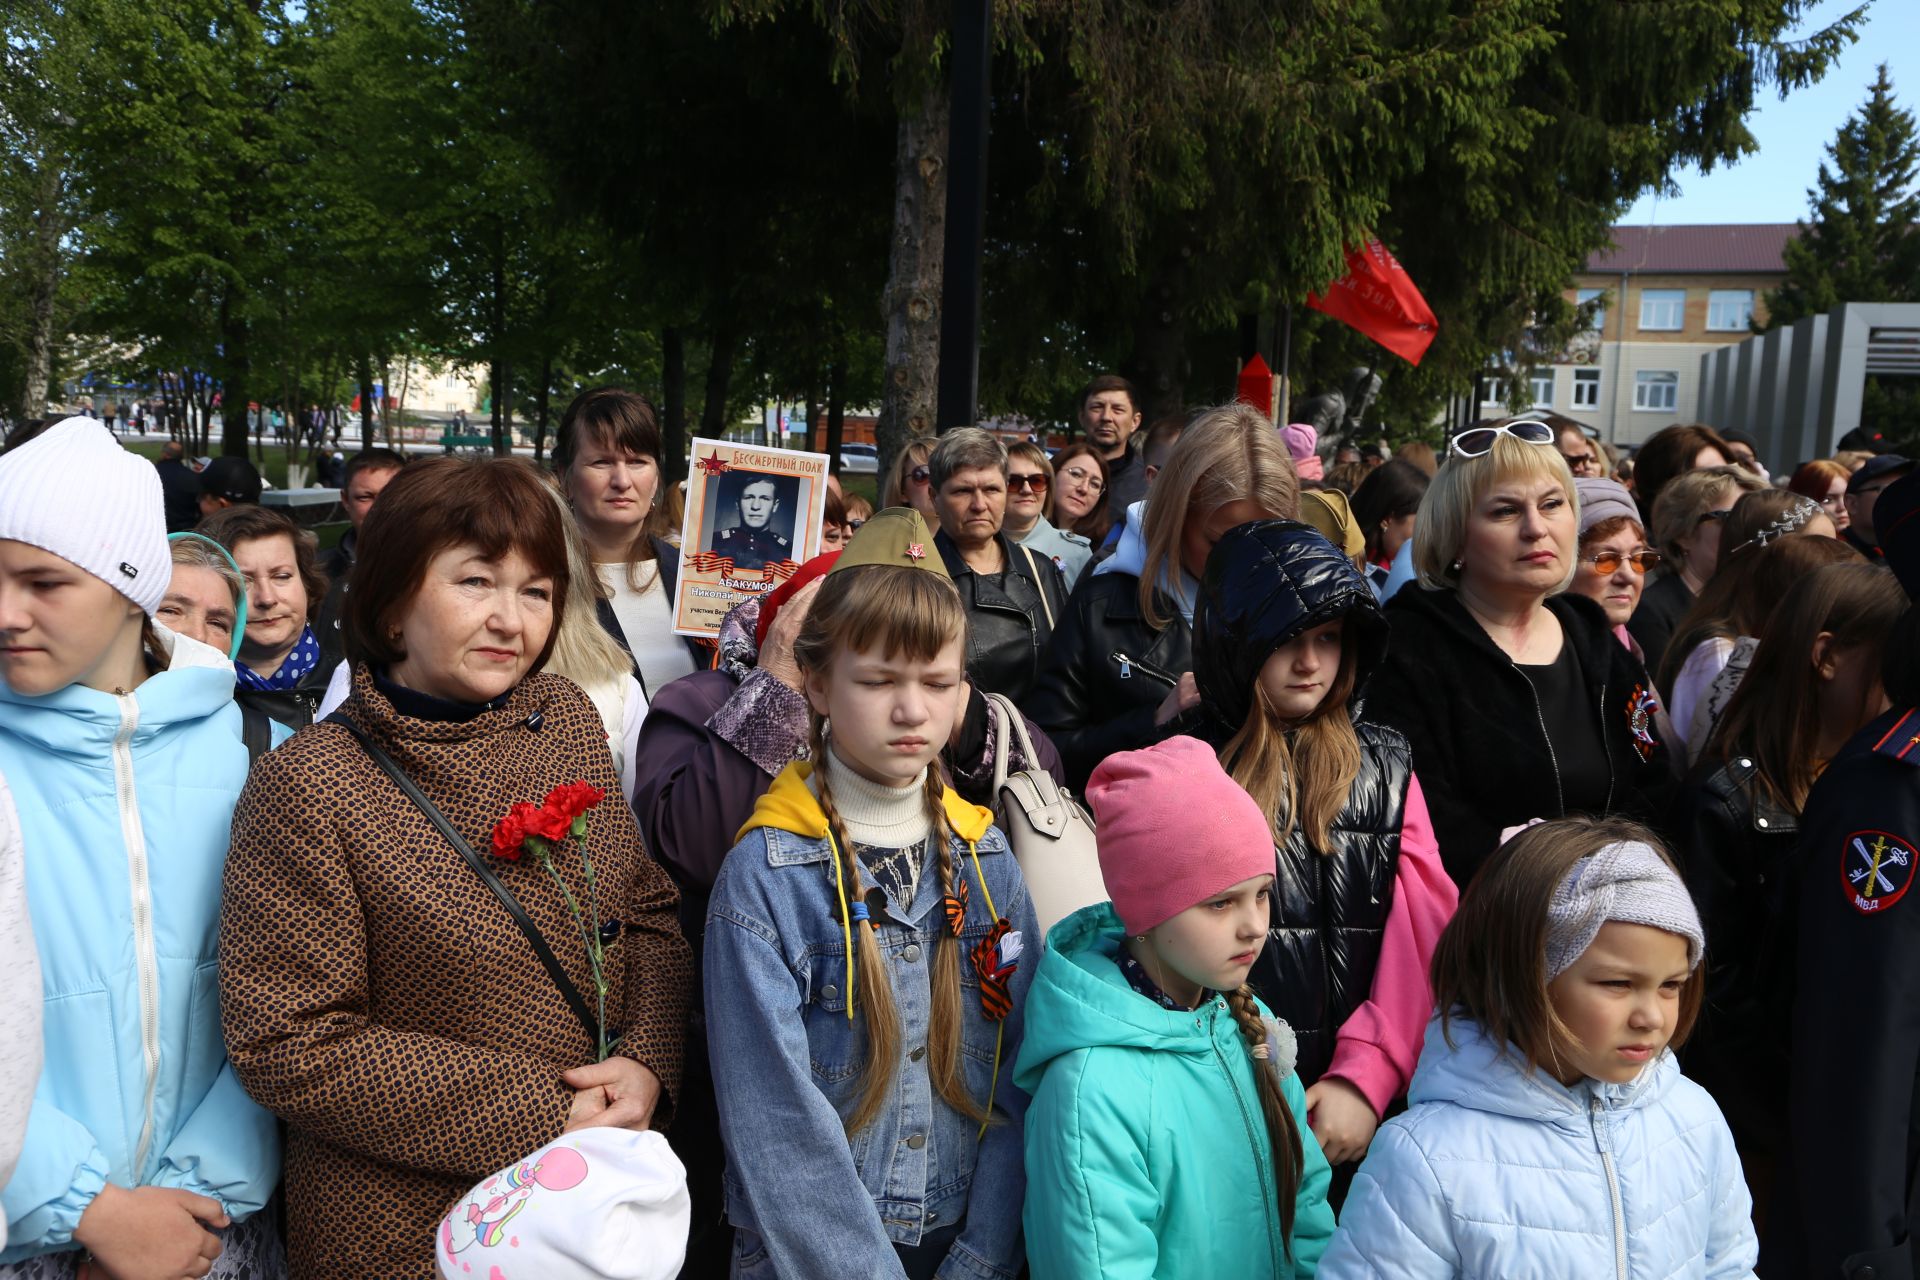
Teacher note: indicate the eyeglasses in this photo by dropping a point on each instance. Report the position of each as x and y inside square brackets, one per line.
[1606, 563]
[1037, 481]
[1477, 442]
[1081, 475]
[1710, 516]
[1581, 464]
[920, 475]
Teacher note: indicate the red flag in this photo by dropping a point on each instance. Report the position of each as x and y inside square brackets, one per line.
[1256, 385]
[1379, 298]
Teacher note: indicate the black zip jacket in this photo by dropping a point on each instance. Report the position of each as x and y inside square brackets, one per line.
[1107, 673]
[1481, 744]
[1009, 621]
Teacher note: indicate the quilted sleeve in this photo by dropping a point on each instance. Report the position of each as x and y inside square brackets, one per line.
[1394, 1225]
[1091, 1203]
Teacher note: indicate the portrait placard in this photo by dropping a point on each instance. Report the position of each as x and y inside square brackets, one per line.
[752, 518]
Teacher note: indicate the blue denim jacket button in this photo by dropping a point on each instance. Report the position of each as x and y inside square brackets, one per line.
[917, 1054]
[917, 1141]
[830, 992]
[912, 953]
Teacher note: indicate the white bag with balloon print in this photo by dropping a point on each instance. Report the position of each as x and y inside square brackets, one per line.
[599, 1204]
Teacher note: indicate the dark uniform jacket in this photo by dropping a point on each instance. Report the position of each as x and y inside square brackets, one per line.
[752, 548]
[1845, 1204]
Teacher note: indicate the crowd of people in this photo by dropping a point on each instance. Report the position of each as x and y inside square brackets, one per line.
[1495, 864]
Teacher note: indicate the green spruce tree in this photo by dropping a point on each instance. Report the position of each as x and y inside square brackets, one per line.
[1860, 243]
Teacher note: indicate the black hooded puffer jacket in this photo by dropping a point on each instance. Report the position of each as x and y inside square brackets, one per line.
[1266, 583]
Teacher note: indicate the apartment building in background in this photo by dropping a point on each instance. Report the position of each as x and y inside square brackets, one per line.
[1668, 296]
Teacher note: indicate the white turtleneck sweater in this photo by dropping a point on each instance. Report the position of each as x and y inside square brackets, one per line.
[887, 825]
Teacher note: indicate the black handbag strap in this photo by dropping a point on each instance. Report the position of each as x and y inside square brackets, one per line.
[548, 960]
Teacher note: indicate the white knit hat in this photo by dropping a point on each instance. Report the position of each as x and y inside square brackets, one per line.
[74, 491]
[599, 1204]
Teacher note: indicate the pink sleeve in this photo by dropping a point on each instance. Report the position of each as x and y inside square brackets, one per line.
[1379, 1042]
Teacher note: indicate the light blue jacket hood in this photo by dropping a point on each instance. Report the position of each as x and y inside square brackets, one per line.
[125, 804]
[1130, 556]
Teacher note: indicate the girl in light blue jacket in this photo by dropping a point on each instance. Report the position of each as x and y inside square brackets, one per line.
[122, 744]
[1549, 1131]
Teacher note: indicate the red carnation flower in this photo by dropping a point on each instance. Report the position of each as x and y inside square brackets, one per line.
[548, 823]
[574, 798]
[510, 834]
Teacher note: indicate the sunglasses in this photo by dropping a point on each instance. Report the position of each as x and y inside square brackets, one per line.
[1037, 482]
[1707, 517]
[1477, 442]
[920, 475]
[1606, 563]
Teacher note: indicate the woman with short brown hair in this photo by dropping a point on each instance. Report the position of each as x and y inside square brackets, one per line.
[379, 996]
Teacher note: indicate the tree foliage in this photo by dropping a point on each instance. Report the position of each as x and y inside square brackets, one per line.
[1858, 243]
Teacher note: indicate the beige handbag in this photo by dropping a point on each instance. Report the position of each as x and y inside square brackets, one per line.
[1051, 835]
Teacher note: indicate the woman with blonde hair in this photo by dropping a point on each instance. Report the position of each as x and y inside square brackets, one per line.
[1517, 700]
[910, 481]
[1122, 656]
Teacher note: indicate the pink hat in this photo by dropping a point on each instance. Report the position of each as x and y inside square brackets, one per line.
[1174, 830]
[1302, 441]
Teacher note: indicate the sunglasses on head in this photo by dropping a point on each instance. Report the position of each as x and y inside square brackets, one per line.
[1477, 442]
[1037, 482]
[1608, 562]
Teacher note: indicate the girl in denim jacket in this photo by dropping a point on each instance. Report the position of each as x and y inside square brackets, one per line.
[864, 982]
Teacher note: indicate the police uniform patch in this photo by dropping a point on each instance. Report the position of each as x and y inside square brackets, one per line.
[1876, 870]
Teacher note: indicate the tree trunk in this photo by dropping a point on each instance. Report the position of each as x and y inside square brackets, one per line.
[502, 422]
[673, 439]
[42, 289]
[1159, 365]
[713, 417]
[912, 299]
[234, 392]
[363, 373]
[541, 405]
[836, 413]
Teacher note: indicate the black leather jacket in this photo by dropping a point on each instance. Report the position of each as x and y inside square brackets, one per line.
[1107, 673]
[1009, 616]
[1737, 847]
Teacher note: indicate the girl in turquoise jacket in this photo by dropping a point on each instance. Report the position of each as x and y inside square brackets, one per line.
[1167, 1134]
[122, 745]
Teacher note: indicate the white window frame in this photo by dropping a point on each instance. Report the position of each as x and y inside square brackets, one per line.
[1536, 380]
[1582, 297]
[1495, 392]
[1719, 299]
[1646, 381]
[1660, 305]
[1587, 380]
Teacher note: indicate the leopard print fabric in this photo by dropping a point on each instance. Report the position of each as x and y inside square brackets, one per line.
[382, 1002]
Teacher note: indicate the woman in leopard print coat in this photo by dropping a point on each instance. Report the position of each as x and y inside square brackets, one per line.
[377, 997]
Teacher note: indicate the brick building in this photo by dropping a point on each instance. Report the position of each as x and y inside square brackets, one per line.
[1688, 291]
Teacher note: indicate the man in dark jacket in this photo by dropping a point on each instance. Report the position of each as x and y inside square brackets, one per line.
[180, 486]
[367, 474]
[1110, 415]
[1011, 595]
[1864, 488]
[1852, 1169]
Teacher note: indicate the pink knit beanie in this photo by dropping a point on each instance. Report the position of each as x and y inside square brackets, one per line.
[1174, 830]
[1302, 441]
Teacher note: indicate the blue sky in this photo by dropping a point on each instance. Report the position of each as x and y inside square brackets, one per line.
[1771, 185]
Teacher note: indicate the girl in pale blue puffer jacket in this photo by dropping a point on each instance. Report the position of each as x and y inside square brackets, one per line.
[121, 742]
[1549, 1132]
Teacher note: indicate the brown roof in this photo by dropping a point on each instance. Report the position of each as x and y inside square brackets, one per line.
[1755, 247]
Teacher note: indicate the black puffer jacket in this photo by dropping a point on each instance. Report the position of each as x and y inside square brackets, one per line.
[1737, 848]
[1010, 616]
[1479, 741]
[1265, 584]
[1089, 701]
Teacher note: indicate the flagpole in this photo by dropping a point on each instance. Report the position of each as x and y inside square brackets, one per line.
[1286, 363]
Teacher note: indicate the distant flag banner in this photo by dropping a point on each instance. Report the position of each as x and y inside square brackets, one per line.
[1379, 298]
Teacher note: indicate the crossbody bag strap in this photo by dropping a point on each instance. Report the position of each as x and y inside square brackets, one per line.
[1039, 584]
[548, 960]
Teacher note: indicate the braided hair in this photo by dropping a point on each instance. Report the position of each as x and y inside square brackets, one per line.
[1283, 1135]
